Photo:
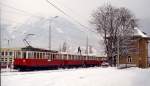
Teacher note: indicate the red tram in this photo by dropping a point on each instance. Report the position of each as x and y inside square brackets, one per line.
[30, 58]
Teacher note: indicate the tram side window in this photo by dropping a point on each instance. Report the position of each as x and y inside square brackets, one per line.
[89, 58]
[34, 54]
[83, 57]
[59, 56]
[96, 58]
[65, 56]
[72, 57]
[48, 55]
[40, 55]
[24, 55]
[77, 57]
[44, 55]
[80, 57]
[62, 56]
[52, 56]
[30, 55]
[18, 54]
[37, 55]
[69, 57]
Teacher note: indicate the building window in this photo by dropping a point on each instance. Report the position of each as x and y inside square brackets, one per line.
[6, 53]
[129, 59]
[2, 53]
[10, 53]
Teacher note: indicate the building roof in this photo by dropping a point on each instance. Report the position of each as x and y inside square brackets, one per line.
[139, 33]
[6, 49]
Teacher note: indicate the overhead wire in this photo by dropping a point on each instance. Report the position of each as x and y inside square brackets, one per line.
[20, 10]
[72, 11]
[59, 9]
[42, 17]
[62, 11]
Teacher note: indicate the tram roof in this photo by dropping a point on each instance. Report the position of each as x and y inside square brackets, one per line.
[30, 48]
[82, 54]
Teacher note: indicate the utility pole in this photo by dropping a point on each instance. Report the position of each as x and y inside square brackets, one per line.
[118, 52]
[87, 46]
[50, 32]
[8, 54]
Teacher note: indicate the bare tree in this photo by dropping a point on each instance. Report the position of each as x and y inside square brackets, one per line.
[64, 47]
[116, 25]
[90, 49]
[59, 49]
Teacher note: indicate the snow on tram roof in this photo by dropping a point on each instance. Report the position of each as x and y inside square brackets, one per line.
[30, 48]
[93, 54]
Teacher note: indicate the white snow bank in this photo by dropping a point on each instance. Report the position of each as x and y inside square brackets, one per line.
[79, 77]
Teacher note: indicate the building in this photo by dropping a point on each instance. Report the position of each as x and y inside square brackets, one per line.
[138, 55]
[7, 57]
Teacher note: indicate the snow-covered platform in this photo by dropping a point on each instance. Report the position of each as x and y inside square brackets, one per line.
[95, 76]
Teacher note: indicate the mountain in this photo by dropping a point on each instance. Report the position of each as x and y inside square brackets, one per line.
[62, 29]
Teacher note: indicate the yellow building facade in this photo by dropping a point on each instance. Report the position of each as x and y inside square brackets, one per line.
[7, 57]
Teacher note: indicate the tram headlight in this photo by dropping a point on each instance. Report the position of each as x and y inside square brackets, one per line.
[24, 60]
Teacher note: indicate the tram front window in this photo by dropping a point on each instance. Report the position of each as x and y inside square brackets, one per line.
[18, 54]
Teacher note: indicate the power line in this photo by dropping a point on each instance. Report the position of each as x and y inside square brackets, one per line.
[20, 10]
[74, 13]
[67, 14]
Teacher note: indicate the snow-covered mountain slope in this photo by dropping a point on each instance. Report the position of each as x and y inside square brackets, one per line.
[63, 30]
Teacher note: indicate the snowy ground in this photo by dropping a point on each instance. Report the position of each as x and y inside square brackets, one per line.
[79, 77]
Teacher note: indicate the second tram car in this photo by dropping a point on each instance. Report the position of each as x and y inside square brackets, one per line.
[30, 58]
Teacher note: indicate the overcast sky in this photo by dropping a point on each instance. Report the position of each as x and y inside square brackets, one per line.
[16, 12]
[78, 9]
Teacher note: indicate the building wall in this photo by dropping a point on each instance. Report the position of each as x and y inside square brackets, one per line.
[7, 57]
[143, 53]
[138, 57]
